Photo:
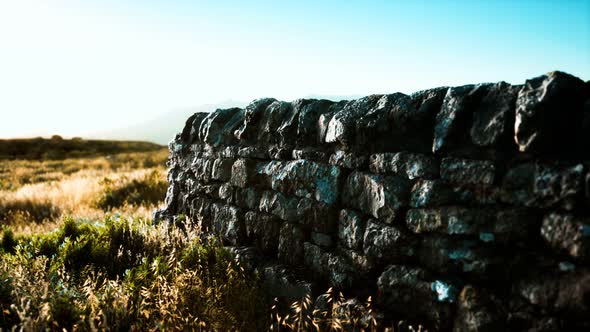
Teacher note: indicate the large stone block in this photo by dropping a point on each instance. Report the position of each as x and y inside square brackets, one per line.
[478, 310]
[489, 225]
[279, 281]
[465, 171]
[558, 184]
[477, 194]
[363, 264]
[450, 220]
[255, 152]
[398, 122]
[202, 168]
[387, 243]
[410, 165]
[277, 152]
[190, 132]
[230, 152]
[343, 274]
[247, 198]
[341, 128]
[348, 160]
[309, 112]
[450, 256]
[413, 293]
[304, 178]
[544, 185]
[277, 204]
[171, 199]
[244, 173]
[291, 241]
[264, 230]
[431, 193]
[566, 233]
[228, 222]
[318, 216]
[377, 195]
[351, 229]
[310, 154]
[323, 240]
[275, 118]
[566, 293]
[453, 120]
[549, 112]
[209, 190]
[493, 118]
[200, 212]
[227, 193]
[218, 127]
[248, 132]
[316, 259]
[221, 169]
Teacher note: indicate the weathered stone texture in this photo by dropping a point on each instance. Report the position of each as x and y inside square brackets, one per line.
[410, 165]
[466, 171]
[376, 195]
[461, 208]
[387, 243]
[304, 179]
[564, 232]
[549, 113]
[351, 229]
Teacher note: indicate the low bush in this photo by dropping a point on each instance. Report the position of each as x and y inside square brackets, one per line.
[28, 210]
[148, 189]
[124, 274]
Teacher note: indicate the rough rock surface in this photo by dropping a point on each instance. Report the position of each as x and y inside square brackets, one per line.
[567, 233]
[379, 196]
[460, 208]
[548, 113]
[410, 165]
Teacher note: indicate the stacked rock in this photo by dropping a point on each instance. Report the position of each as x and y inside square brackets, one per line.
[465, 208]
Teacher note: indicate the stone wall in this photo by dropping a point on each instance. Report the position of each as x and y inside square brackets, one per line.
[464, 208]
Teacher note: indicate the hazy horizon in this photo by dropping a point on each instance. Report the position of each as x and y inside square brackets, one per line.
[75, 68]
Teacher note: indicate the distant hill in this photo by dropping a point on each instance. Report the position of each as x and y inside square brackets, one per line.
[162, 129]
[59, 148]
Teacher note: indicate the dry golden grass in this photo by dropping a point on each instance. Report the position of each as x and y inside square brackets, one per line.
[17, 173]
[118, 274]
[77, 187]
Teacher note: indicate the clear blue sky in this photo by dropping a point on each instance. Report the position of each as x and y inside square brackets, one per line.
[73, 67]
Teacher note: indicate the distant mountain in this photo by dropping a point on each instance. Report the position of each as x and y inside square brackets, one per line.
[162, 129]
[57, 148]
[334, 97]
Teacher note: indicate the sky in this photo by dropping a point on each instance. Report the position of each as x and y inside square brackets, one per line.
[75, 67]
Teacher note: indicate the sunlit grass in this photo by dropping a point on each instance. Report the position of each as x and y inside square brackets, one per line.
[17, 173]
[124, 274]
[133, 184]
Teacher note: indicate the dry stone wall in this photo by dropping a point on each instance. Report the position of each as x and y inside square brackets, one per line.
[465, 208]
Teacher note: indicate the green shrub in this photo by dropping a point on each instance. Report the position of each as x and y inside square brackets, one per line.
[31, 210]
[8, 240]
[122, 274]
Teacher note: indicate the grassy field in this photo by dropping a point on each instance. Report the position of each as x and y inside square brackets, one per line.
[79, 252]
[57, 148]
[37, 194]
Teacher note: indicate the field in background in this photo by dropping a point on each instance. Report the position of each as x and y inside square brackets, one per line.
[36, 194]
[57, 148]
